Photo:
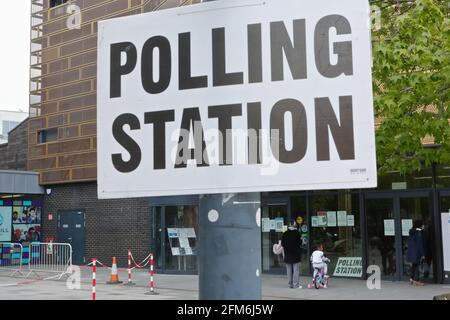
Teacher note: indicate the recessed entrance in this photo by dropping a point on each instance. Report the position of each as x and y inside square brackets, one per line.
[175, 231]
[389, 219]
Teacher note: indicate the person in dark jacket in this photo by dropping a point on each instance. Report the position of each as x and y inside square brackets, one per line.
[416, 251]
[292, 245]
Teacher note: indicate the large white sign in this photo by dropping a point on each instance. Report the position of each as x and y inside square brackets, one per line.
[5, 223]
[236, 96]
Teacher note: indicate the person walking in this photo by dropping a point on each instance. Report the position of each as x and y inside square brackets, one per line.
[292, 245]
[416, 252]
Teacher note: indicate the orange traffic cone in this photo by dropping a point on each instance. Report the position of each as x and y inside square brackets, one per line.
[114, 276]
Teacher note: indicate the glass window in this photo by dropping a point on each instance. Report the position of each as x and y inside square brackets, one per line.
[181, 238]
[276, 210]
[48, 135]
[335, 223]
[299, 213]
[445, 203]
[417, 180]
[7, 126]
[411, 210]
[54, 3]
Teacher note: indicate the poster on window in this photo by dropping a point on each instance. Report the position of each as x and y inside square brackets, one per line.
[407, 225]
[265, 223]
[350, 220]
[19, 215]
[184, 242]
[279, 223]
[315, 221]
[28, 215]
[342, 218]
[389, 227]
[331, 218]
[172, 232]
[5, 223]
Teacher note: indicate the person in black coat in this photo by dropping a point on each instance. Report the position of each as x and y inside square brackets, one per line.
[416, 251]
[292, 245]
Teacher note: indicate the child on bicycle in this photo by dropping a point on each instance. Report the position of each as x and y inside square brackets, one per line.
[319, 260]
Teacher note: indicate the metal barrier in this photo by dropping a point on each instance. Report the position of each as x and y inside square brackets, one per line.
[50, 257]
[11, 257]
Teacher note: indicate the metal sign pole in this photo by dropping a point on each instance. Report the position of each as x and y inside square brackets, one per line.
[229, 258]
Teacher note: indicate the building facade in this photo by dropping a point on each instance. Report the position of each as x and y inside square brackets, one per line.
[8, 121]
[13, 155]
[368, 227]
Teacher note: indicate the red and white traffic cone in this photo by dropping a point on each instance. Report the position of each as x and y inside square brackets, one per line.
[114, 275]
[129, 282]
[152, 283]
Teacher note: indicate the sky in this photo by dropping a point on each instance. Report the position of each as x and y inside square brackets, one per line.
[14, 54]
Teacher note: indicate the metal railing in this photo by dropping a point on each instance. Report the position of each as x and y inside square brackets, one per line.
[49, 257]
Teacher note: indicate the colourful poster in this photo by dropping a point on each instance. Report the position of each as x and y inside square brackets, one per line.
[172, 232]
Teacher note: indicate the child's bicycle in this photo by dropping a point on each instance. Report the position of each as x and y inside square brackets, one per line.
[319, 279]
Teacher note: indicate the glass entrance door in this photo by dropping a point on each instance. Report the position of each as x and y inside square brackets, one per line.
[381, 235]
[275, 215]
[389, 219]
[417, 209]
[175, 238]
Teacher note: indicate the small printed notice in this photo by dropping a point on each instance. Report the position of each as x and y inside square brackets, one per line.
[265, 223]
[322, 221]
[279, 223]
[407, 225]
[272, 225]
[350, 220]
[176, 251]
[314, 221]
[331, 218]
[389, 227]
[342, 218]
[184, 242]
[190, 232]
[172, 232]
[182, 233]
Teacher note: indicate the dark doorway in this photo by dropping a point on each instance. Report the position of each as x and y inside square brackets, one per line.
[389, 219]
[71, 229]
[175, 238]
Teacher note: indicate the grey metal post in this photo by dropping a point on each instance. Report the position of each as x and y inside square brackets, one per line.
[230, 247]
[229, 259]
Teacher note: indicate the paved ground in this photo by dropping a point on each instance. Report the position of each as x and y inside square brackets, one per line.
[186, 287]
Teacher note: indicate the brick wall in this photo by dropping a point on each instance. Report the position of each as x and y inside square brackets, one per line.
[112, 226]
[13, 155]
